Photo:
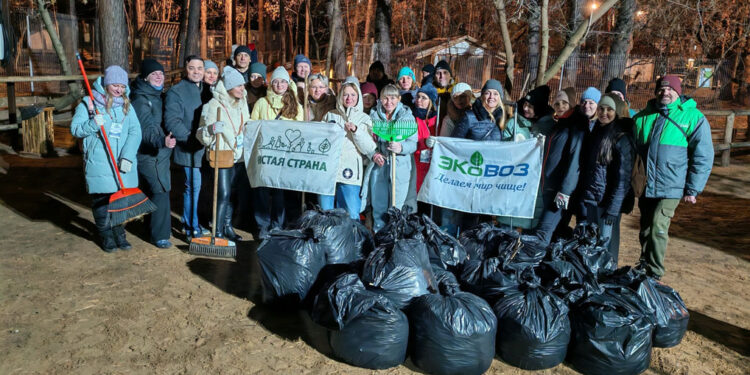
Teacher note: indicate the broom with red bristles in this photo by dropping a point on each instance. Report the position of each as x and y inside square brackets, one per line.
[127, 203]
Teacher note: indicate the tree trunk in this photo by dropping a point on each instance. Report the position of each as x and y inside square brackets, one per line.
[619, 50]
[383, 32]
[235, 33]
[248, 32]
[545, 41]
[262, 29]
[179, 58]
[111, 14]
[75, 89]
[571, 65]
[509, 66]
[534, 20]
[204, 31]
[307, 28]
[423, 29]
[368, 19]
[192, 41]
[282, 18]
[575, 40]
[228, 34]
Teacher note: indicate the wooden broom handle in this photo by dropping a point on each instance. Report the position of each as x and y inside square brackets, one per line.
[216, 175]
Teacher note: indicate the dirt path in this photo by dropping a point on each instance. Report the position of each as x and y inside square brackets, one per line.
[67, 307]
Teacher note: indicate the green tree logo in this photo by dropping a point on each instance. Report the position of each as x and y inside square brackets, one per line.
[324, 146]
[476, 159]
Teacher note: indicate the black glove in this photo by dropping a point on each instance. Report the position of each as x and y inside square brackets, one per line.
[609, 219]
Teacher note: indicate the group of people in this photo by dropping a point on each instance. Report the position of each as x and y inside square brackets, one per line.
[593, 145]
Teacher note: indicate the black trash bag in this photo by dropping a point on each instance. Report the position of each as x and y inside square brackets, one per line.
[338, 233]
[452, 334]
[444, 250]
[670, 313]
[612, 333]
[487, 278]
[365, 328]
[363, 239]
[398, 225]
[446, 281]
[566, 276]
[584, 247]
[289, 261]
[533, 326]
[401, 272]
[327, 276]
[483, 240]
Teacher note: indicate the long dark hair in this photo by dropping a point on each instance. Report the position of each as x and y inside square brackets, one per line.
[614, 131]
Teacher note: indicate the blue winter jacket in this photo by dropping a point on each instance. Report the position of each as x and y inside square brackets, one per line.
[100, 176]
[478, 126]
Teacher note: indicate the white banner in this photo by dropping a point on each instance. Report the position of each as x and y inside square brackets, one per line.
[293, 155]
[484, 177]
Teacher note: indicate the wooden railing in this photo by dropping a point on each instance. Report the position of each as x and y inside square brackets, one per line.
[727, 144]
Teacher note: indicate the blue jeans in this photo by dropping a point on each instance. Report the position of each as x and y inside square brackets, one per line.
[190, 198]
[347, 197]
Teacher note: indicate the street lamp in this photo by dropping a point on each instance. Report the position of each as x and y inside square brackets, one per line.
[592, 6]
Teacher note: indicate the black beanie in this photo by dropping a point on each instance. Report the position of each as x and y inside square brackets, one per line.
[240, 49]
[616, 84]
[539, 99]
[442, 64]
[149, 66]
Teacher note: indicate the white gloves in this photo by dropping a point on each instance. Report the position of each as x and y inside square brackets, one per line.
[430, 142]
[561, 200]
[99, 120]
[218, 127]
[125, 165]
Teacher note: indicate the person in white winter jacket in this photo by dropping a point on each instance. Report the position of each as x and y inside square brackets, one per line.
[225, 116]
[350, 116]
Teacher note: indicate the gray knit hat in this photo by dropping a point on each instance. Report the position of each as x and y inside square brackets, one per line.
[280, 73]
[208, 64]
[113, 75]
[232, 78]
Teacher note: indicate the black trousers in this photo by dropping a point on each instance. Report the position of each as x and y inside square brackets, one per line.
[99, 204]
[160, 221]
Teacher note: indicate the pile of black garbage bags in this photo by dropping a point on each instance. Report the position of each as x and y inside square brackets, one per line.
[451, 305]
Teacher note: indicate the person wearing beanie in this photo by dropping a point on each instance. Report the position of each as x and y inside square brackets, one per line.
[427, 71]
[589, 100]
[462, 97]
[302, 68]
[242, 61]
[226, 134]
[424, 112]
[618, 87]
[182, 105]
[486, 121]
[443, 82]
[113, 112]
[210, 77]
[155, 149]
[562, 102]
[407, 83]
[534, 114]
[280, 103]
[369, 96]
[377, 185]
[673, 139]
[358, 145]
[376, 75]
[606, 167]
[256, 88]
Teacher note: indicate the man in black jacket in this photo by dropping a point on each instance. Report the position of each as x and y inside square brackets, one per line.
[181, 117]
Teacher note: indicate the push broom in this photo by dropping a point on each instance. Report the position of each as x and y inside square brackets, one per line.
[394, 131]
[212, 246]
[127, 203]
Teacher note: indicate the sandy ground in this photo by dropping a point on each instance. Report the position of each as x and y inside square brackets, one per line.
[67, 307]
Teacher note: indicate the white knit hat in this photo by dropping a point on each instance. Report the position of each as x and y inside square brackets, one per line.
[280, 73]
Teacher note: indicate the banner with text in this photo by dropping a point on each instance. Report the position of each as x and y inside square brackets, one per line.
[293, 155]
[484, 177]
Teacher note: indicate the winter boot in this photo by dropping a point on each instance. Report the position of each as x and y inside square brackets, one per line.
[229, 231]
[107, 239]
[122, 242]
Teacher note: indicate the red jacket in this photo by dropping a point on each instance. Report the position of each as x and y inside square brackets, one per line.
[425, 129]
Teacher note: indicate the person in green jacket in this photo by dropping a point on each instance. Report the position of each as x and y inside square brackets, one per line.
[673, 138]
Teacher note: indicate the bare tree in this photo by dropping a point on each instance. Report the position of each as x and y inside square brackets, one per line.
[534, 22]
[544, 16]
[337, 42]
[192, 39]
[509, 66]
[620, 47]
[75, 89]
[111, 15]
[383, 32]
[368, 19]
